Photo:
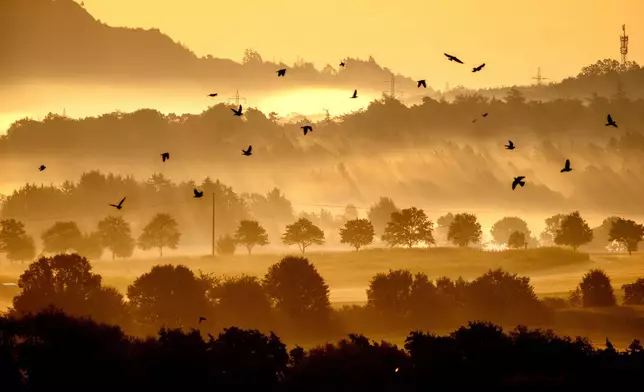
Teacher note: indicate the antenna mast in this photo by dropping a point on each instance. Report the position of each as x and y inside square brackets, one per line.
[539, 78]
[623, 48]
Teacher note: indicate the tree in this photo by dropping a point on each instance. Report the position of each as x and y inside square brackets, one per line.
[442, 227]
[517, 240]
[634, 292]
[304, 234]
[251, 233]
[464, 229]
[297, 288]
[161, 232]
[596, 290]
[553, 223]
[116, 235]
[169, 296]
[61, 237]
[408, 227]
[389, 293]
[242, 302]
[90, 246]
[67, 282]
[503, 228]
[226, 245]
[350, 212]
[573, 231]
[15, 242]
[626, 232]
[357, 233]
[380, 214]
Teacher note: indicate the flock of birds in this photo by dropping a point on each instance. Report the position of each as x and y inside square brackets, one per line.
[518, 181]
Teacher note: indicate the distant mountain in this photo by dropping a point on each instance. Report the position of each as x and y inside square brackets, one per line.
[60, 40]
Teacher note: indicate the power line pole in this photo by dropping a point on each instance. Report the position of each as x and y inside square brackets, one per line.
[237, 99]
[213, 224]
[539, 78]
[623, 47]
[392, 87]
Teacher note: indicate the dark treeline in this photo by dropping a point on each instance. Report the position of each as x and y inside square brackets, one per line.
[40, 347]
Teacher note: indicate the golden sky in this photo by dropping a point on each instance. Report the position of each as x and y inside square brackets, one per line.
[513, 37]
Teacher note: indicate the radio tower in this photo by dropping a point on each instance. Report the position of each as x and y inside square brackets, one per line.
[539, 78]
[623, 48]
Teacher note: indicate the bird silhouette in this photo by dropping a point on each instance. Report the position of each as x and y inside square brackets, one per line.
[484, 114]
[120, 205]
[342, 63]
[201, 318]
[248, 152]
[237, 112]
[474, 120]
[197, 193]
[211, 337]
[518, 181]
[422, 83]
[165, 156]
[480, 67]
[510, 145]
[307, 128]
[212, 94]
[610, 122]
[567, 167]
[453, 58]
[355, 94]
[42, 167]
[281, 72]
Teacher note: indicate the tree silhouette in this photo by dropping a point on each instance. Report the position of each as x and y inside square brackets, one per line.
[503, 228]
[573, 231]
[61, 237]
[408, 227]
[517, 240]
[553, 223]
[389, 293]
[464, 230]
[442, 227]
[90, 246]
[242, 302]
[626, 232]
[297, 289]
[251, 233]
[357, 233]
[116, 235]
[634, 292]
[161, 232]
[66, 282]
[303, 233]
[350, 212]
[380, 214]
[14, 241]
[169, 296]
[226, 245]
[596, 289]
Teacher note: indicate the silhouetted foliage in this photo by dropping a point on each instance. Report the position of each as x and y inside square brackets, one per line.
[442, 228]
[627, 232]
[116, 235]
[596, 289]
[380, 214]
[161, 232]
[303, 233]
[464, 229]
[242, 302]
[517, 240]
[553, 224]
[61, 237]
[503, 229]
[14, 241]
[90, 246]
[634, 292]
[408, 227]
[250, 234]
[573, 231]
[226, 245]
[357, 233]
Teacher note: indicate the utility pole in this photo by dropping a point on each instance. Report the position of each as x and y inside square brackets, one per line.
[213, 224]
[539, 78]
[237, 99]
[392, 87]
[623, 47]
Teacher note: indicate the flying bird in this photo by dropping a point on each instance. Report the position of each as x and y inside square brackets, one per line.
[342, 63]
[355, 94]
[480, 67]
[165, 156]
[567, 167]
[248, 152]
[484, 114]
[237, 112]
[610, 122]
[422, 83]
[281, 72]
[212, 94]
[518, 181]
[307, 128]
[42, 167]
[120, 205]
[510, 145]
[201, 318]
[197, 193]
[453, 58]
